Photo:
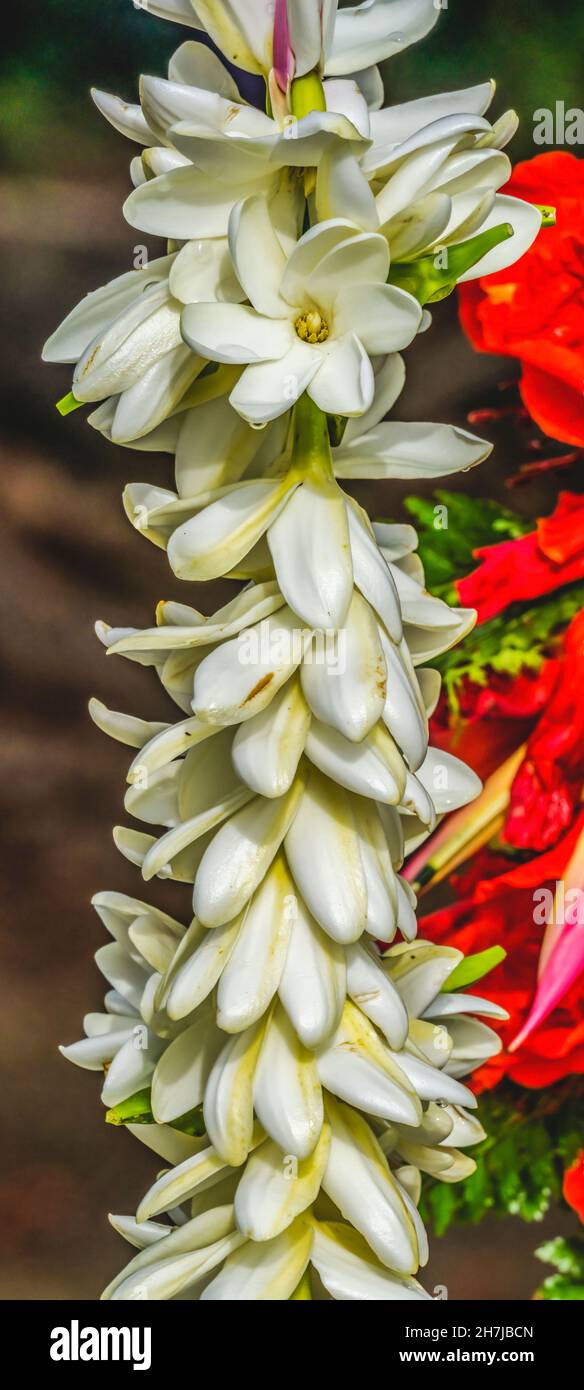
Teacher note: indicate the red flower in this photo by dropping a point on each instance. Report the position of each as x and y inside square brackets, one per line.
[496, 904]
[573, 1187]
[548, 785]
[546, 711]
[531, 566]
[534, 310]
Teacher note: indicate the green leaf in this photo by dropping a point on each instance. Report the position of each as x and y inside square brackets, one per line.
[68, 404]
[473, 968]
[431, 278]
[447, 550]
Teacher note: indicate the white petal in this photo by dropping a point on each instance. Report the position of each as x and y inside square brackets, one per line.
[200, 1170]
[272, 1191]
[308, 253]
[143, 406]
[370, 32]
[287, 1092]
[258, 257]
[403, 711]
[312, 987]
[235, 333]
[309, 544]
[419, 972]
[203, 271]
[349, 692]
[198, 975]
[396, 450]
[167, 1276]
[178, 1084]
[196, 65]
[397, 123]
[433, 1084]
[358, 1068]
[526, 222]
[222, 533]
[253, 971]
[184, 204]
[373, 992]
[383, 317]
[344, 382]
[131, 1068]
[101, 308]
[389, 382]
[372, 768]
[239, 856]
[361, 259]
[264, 1270]
[125, 117]
[342, 189]
[239, 678]
[449, 782]
[322, 849]
[372, 575]
[447, 1004]
[350, 1272]
[266, 390]
[267, 748]
[228, 1107]
[359, 1182]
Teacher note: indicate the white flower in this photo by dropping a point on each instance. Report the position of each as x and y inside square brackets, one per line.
[255, 1220]
[313, 318]
[205, 147]
[287, 1067]
[428, 180]
[261, 689]
[126, 342]
[319, 36]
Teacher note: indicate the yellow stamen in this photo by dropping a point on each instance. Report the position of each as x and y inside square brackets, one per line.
[311, 327]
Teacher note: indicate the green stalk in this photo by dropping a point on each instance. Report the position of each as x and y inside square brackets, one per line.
[311, 449]
[306, 95]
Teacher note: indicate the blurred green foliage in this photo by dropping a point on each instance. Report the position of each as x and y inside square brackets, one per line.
[58, 48]
[532, 1137]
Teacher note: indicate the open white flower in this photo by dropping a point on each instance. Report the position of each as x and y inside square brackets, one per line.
[205, 147]
[312, 321]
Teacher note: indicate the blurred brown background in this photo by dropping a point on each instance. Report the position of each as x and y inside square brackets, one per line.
[69, 557]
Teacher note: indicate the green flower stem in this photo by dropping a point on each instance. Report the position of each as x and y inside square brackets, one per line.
[306, 95]
[433, 277]
[311, 449]
[68, 403]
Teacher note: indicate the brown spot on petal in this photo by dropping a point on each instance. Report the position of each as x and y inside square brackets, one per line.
[261, 685]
